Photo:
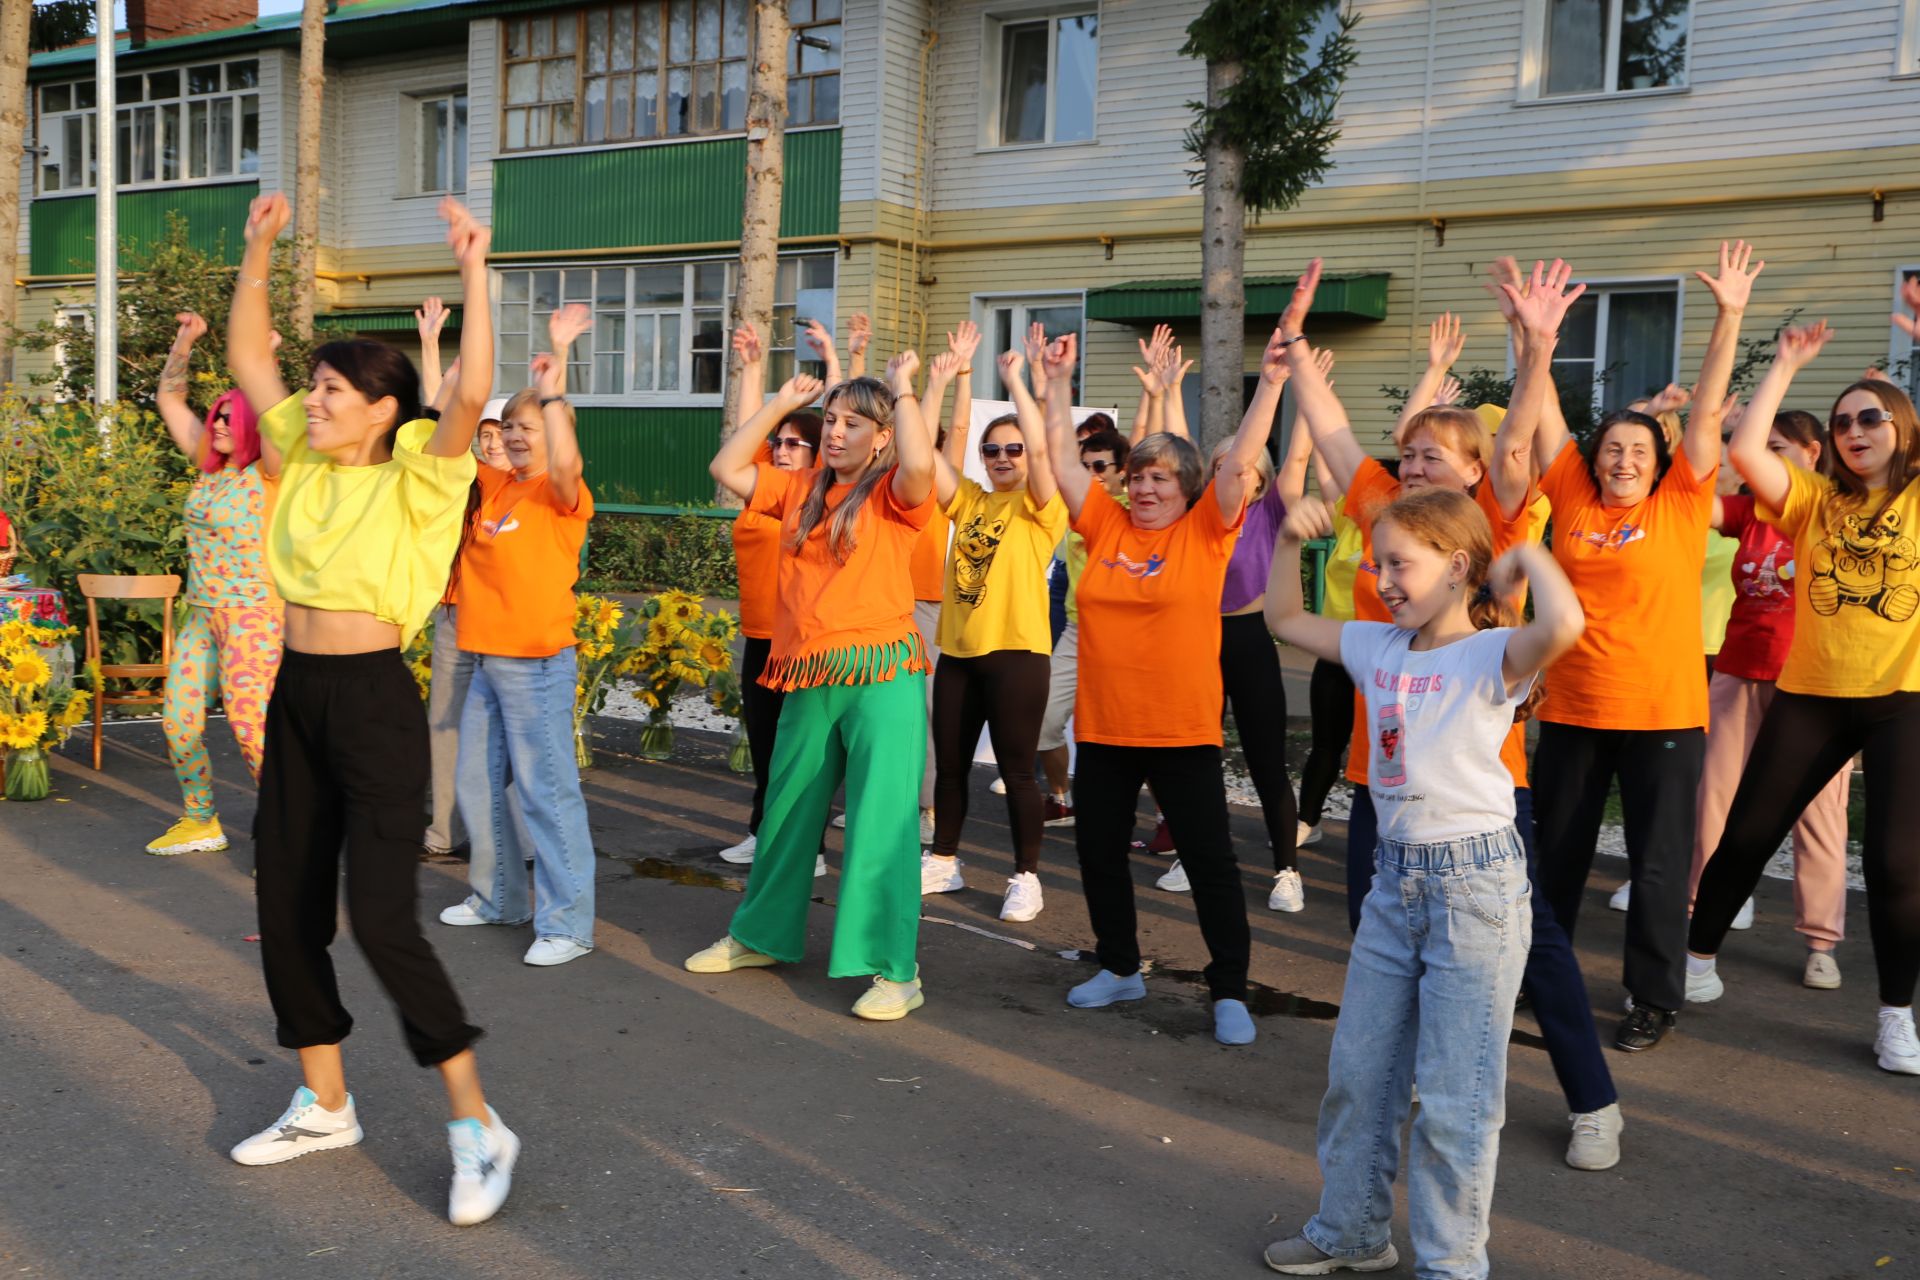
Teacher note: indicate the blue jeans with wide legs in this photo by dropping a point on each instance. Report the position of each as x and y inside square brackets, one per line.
[518, 724]
[1430, 987]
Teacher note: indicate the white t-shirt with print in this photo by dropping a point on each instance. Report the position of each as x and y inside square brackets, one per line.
[1435, 722]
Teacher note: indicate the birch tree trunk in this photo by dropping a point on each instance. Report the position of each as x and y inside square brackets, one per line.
[1223, 296]
[16, 26]
[306, 177]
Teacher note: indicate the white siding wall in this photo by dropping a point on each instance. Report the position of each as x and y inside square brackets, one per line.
[279, 100]
[373, 165]
[861, 95]
[483, 114]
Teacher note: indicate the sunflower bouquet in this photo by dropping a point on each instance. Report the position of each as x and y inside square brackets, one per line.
[606, 639]
[683, 643]
[37, 712]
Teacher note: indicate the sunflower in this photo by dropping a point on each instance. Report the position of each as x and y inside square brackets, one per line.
[29, 671]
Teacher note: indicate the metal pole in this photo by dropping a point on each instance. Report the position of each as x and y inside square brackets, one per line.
[106, 242]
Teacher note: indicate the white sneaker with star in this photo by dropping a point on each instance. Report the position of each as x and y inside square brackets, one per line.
[303, 1128]
[483, 1158]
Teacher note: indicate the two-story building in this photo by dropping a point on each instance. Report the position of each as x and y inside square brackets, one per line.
[1008, 160]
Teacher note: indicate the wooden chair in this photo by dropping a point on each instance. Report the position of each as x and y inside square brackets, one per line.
[151, 586]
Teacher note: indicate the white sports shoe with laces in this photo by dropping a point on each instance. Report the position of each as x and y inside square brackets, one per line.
[483, 1158]
[1896, 1046]
[303, 1128]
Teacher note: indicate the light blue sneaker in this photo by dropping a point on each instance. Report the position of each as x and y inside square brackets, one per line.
[1104, 988]
[1232, 1024]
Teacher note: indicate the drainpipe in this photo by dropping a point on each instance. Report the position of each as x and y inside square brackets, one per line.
[106, 242]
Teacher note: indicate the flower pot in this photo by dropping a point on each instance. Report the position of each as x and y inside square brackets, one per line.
[740, 755]
[27, 777]
[656, 739]
[582, 749]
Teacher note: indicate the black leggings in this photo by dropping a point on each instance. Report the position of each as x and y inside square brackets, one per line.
[1804, 740]
[1250, 670]
[1187, 783]
[760, 707]
[1004, 692]
[1330, 698]
[346, 763]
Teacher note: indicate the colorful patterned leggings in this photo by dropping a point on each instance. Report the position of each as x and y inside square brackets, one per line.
[235, 652]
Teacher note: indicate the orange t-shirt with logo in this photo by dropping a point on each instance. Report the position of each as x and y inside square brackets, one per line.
[1637, 571]
[1373, 491]
[1149, 602]
[519, 566]
[833, 617]
[929, 566]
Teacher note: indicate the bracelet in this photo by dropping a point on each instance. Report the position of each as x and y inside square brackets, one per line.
[960, 372]
[547, 400]
[907, 395]
[1298, 337]
[255, 281]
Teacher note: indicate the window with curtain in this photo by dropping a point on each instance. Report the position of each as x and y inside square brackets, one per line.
[1622, 341]
[198, 123]
[1049, 74]
[1614, 46]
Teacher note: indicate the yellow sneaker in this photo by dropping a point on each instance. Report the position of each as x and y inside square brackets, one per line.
[889, 1001]
[725, 956]
[190, 835]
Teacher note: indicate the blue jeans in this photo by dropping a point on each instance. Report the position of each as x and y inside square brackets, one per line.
[1057, 598]
[1429, 996]
[518, 724]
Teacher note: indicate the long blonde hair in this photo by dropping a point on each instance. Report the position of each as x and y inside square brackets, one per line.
[869, 398]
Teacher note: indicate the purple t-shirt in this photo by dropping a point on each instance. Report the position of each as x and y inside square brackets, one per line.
[1253, 554]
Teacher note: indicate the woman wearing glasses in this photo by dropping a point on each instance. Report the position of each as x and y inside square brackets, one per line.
[795, 446]
[1851, 682]
[230, 640]
[996, 643]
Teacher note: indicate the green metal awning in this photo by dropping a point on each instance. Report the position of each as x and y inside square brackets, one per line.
[378, 320]
[1355, 296]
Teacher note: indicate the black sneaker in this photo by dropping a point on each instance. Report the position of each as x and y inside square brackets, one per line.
[1642, 1028]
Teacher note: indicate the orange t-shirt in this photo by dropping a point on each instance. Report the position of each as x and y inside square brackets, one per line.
[519, 566]
[1376, 489]
[1149, 603]
[930, 559]
[1637, 571]
[830, 612]
[756, 564]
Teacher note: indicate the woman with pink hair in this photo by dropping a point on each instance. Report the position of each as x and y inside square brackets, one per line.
[230, 641]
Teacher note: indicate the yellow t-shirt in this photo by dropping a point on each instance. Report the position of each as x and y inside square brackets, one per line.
[1852, 616]
[1716, 590]
[377, 539]
[1343, 562]
[996, 581]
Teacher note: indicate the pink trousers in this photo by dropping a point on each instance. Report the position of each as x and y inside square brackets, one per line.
[1820, 836]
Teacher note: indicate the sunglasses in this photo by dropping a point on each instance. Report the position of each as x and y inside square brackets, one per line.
[1867, 419]
[995, 450]
[1100, 466]
[790, 442]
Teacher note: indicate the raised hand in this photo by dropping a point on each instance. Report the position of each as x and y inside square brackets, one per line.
[1734, 284]
[1012, 363]
[1293, 320]
[963, 341]
[1730, 413]
[819, 339]
[267, 217]
[859, 332]
[1446, 339]
[1540, 305]
[942, 368]
[1798, 346]
[1059, 356]
[467, 238]
[428, 318]
[747, 346]
[1154, 351]
[1323, 361]
[192, 328]
[1171, 369]
[1875, 373]
[1508, 576]
[567, 324]
[1307, 519]
[900, 371]
[1448, 394]
[1910, 296]
[1504, 273]
[799, 391]
[548, 373]
[1149, 380]
[1036, 343]
[1669, 399]
[1273, 361]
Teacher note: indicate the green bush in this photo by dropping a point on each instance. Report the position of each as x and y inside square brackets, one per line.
[652, 553]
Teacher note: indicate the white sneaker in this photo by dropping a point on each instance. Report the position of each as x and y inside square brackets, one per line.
[483, 1156]
[1822, 972]
[926, 827]
[1023, 901]
[462, 913]
[1896, 1046]
[1704, 988]
[1288, 893]
[306, 1127]
[940, 875]
[552, 951]
[1175, 881]
[819, 865]
[998, 786]
[1596, 1139]
[741, 854]
[840, 820]
[1743, 919]
[1621, 896]
[1305, 835]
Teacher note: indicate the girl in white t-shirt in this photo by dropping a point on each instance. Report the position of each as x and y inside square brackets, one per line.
[1445, 928]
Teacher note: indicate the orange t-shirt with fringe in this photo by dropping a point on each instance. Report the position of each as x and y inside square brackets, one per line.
[839, 623]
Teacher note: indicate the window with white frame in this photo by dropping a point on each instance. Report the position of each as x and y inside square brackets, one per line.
[184, 124]
[1611, 46]
[1048, 78]
[73, 322]
[1623, 340]
[656, 69]
[660, 328]
[439, 141]
[1004, 323]
[1903, 356]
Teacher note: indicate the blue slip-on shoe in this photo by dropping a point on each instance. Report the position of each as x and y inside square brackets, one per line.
[1232, 1024]
[1104, 988]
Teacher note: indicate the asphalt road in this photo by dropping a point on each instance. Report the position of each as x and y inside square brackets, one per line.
[679, 1125]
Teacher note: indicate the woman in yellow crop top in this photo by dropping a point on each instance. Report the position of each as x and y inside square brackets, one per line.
[372, 503]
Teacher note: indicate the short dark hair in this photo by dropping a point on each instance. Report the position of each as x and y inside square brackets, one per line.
[1094, 422]
[1107, 441]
